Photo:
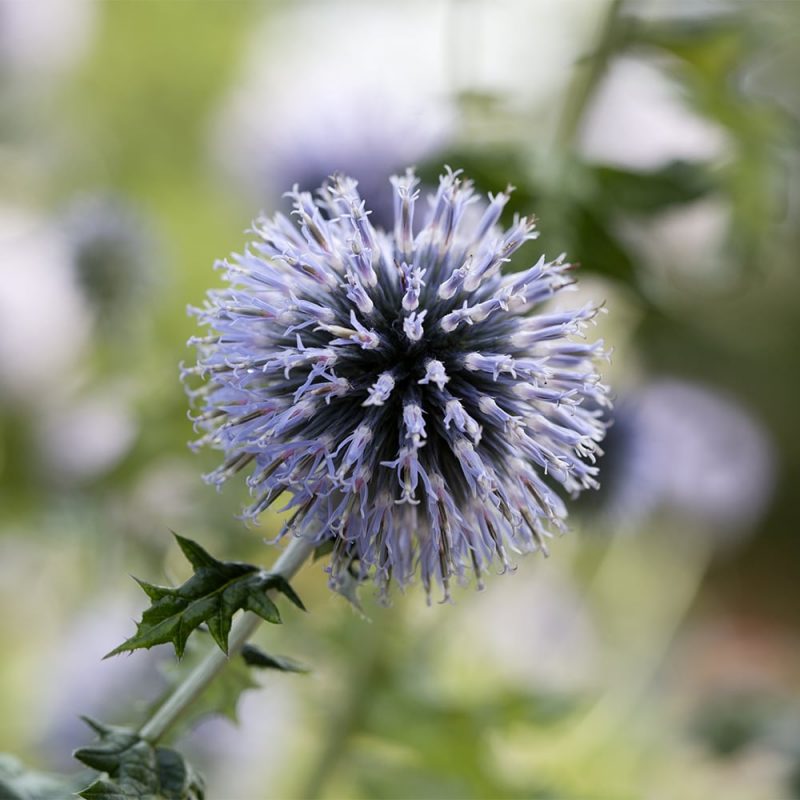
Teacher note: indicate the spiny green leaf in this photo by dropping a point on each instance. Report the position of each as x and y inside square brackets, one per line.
[136, 769]
[151, 590]
[255, 657]
[105, 755]
[261, 604]
[195, 554]
[280, 584]
[213, 594]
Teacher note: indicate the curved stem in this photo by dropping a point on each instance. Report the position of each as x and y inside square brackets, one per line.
[587, 77]
[288, 564]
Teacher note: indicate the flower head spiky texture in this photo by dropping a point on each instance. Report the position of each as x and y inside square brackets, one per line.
[418, 406]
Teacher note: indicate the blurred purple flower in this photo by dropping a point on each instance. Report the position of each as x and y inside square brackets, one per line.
[396, 385]
[279, 126]
[681, 447]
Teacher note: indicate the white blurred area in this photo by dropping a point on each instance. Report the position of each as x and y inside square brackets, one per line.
[252, 753]
[370, 88]
[533, 631]
[520, 51]
[45, 322]
[87, 435]
[87, 684]
[43, 38]
[46, 332]
[355, 87]
[638, 120]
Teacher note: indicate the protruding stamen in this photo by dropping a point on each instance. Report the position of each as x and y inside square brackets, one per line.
[492, 213]
[414, 423]
[530, 391]
[494, 363]
[356, 293]
[474, 314]
[313, 226]
[454, 283]
[455, 413]
[358, 334]
[413, 283]
[488, 406]
[404, 199]
[412, 325]
[363, 260]
[354, 453]
[380, 390]
[472, 466]
[434, 373]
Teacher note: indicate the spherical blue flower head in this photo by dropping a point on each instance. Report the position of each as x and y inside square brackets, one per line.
[418, 406]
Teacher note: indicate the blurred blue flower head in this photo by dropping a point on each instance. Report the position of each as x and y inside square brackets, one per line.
[692, 451]
[396, 385]
[277, 126]
[113, 251]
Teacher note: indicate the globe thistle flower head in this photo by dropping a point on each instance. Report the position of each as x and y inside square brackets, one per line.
[418, 405]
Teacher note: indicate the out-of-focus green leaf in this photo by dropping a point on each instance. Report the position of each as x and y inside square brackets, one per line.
[598, 248]
[216, 591]
[136, 769]
[19, 783]
[710, 43]
[220, 697]
[255, 657]
[650, 192]
[347, 585]
[575, 211]
[324, 549]
[491, 171]
[711, 59]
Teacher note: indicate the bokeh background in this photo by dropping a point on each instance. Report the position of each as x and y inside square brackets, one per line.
[656, 654]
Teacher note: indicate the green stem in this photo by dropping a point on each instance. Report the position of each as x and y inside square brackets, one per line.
[288, 564]
[587, 76]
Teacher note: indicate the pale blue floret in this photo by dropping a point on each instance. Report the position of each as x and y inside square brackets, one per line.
[419, 407]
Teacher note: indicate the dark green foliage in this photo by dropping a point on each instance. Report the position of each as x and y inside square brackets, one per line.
[136, 769]
[214, 593]
[652, 191]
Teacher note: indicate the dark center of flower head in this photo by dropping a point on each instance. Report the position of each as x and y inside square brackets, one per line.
[416, 404]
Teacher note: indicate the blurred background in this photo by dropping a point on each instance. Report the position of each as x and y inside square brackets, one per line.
[656, 654]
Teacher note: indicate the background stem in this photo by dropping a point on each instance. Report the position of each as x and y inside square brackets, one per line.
[588, 73]
[288, 564]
